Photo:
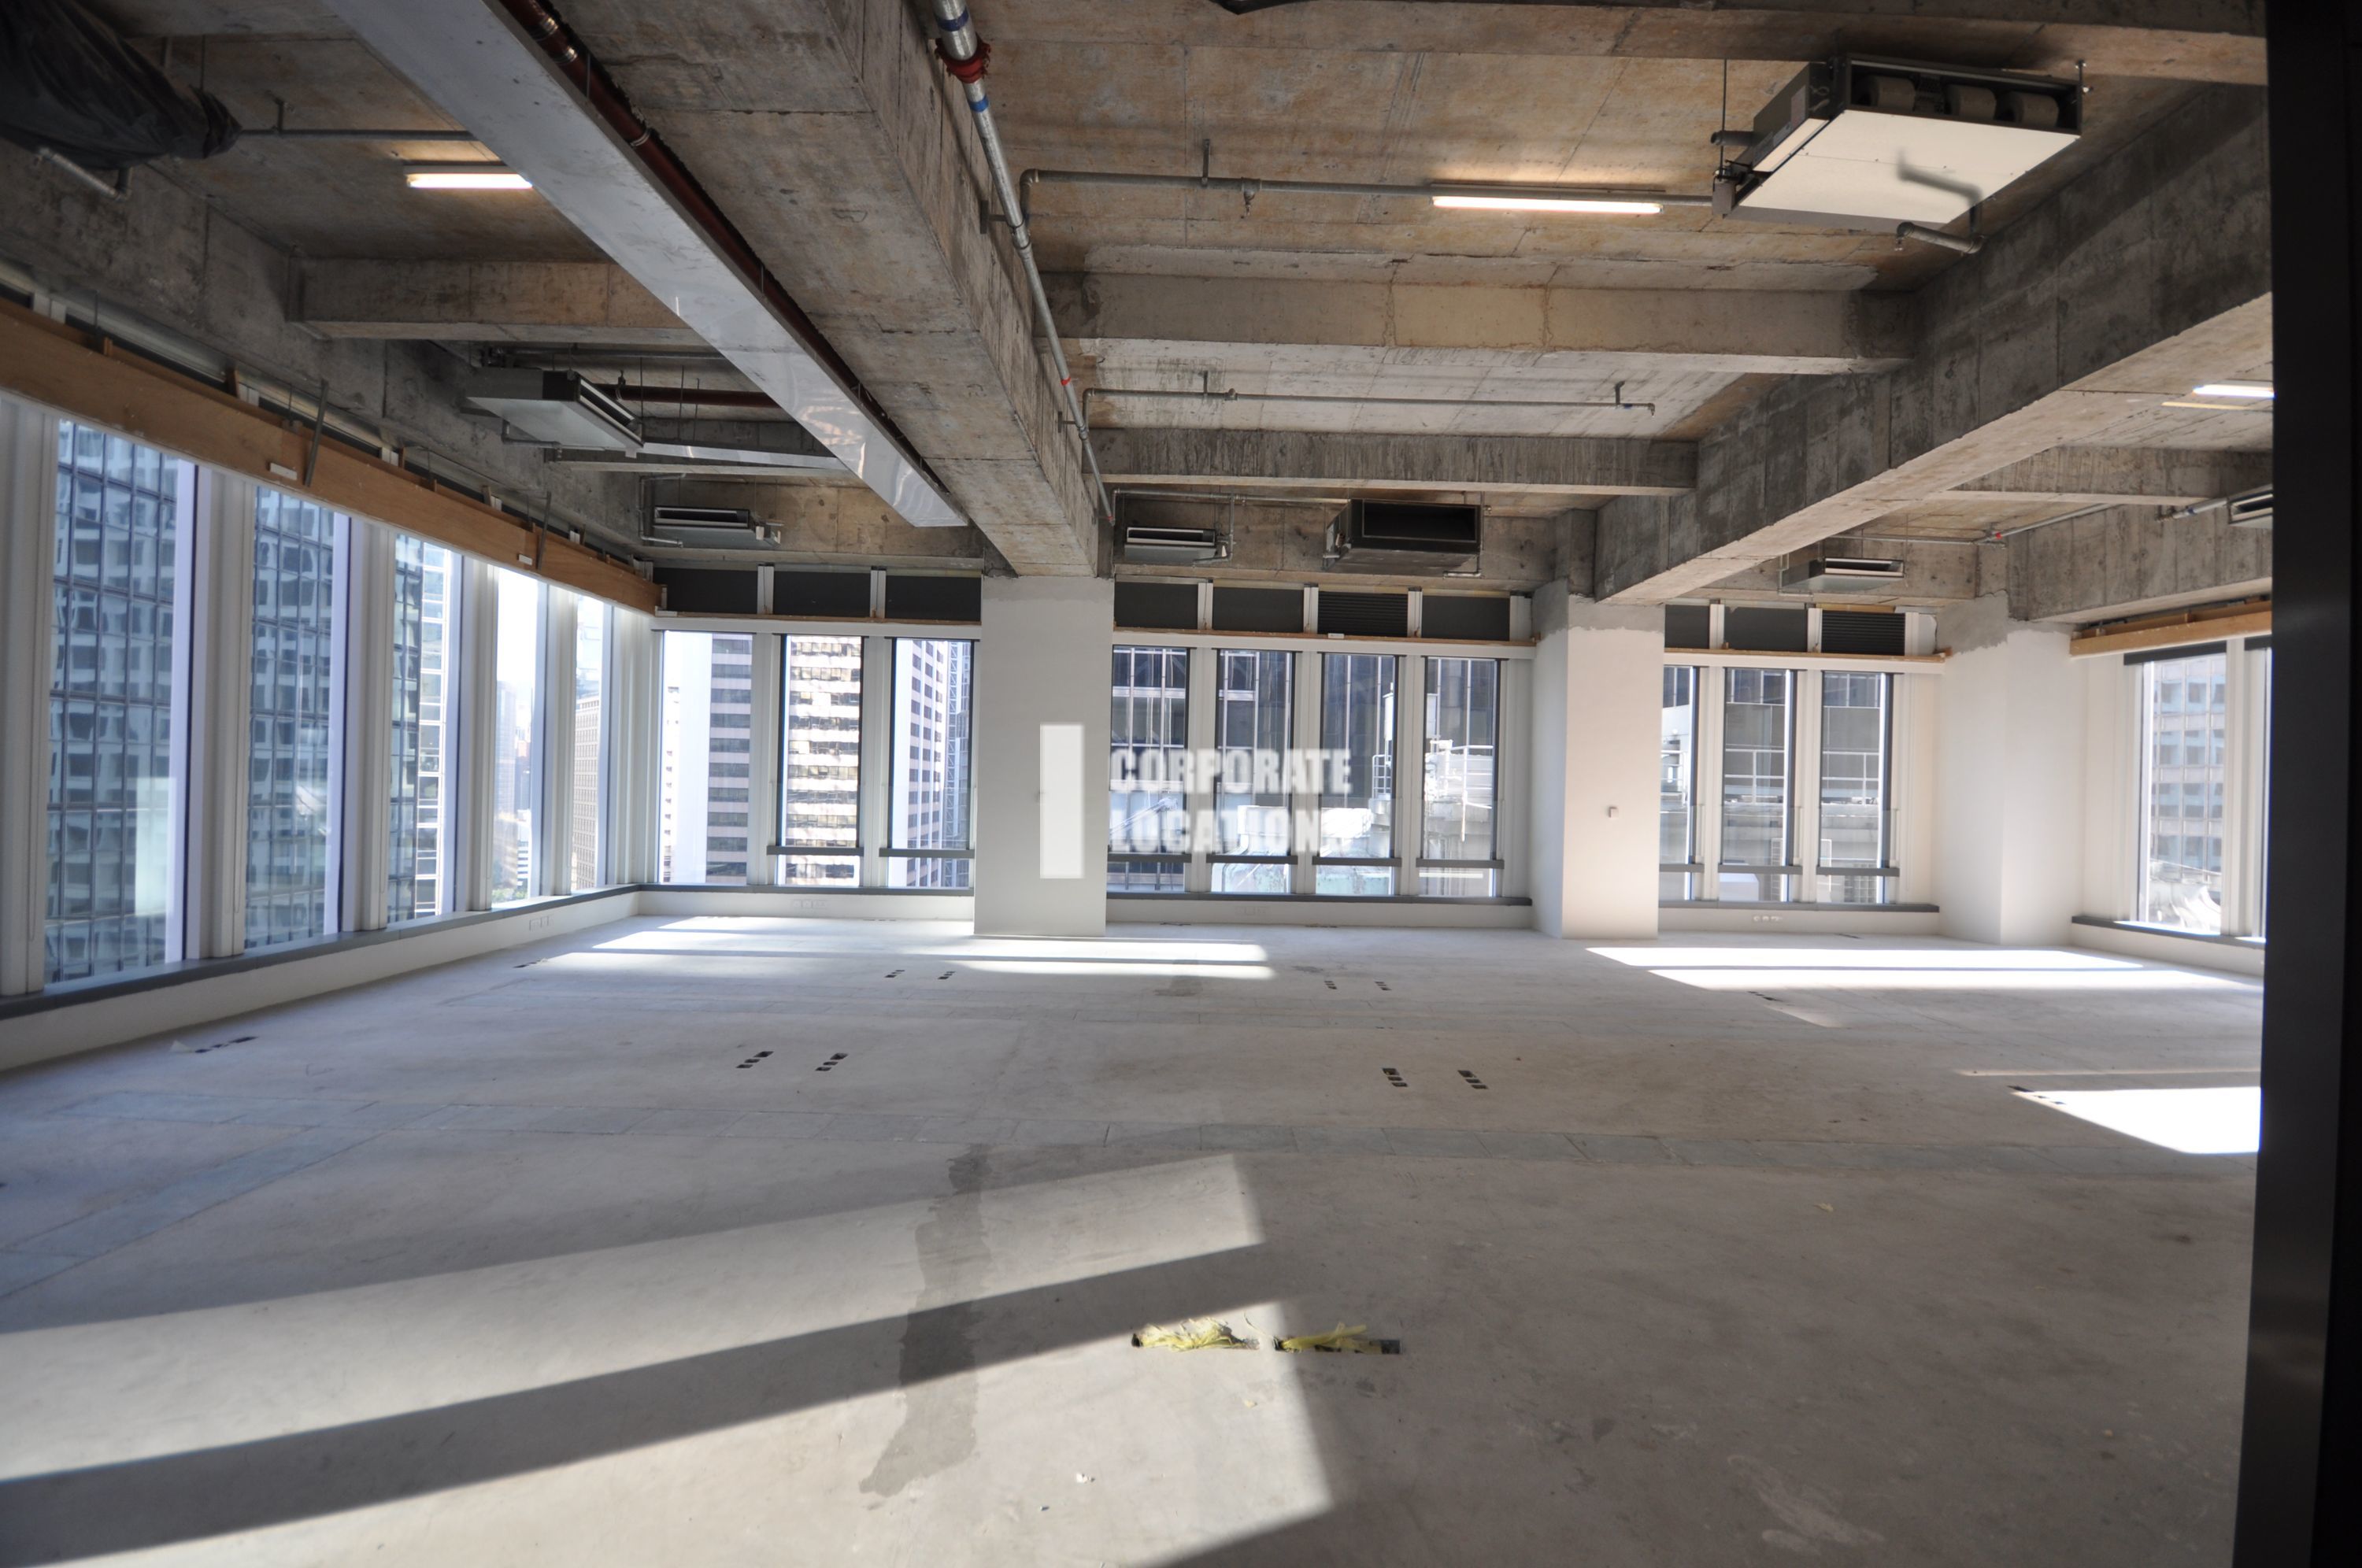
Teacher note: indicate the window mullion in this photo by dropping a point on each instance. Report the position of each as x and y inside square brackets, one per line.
[765, 735]
[877, 754]
[1198, 875]
[219, 712]
[28, 477]
[1713, 689]
[1805, 789]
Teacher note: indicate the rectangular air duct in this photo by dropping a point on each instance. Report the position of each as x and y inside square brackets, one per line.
[1406, 537]
[558, 408]
[1874, 143]
[1840, 574]
[708, 528]
[2251, 510]
[1165, 544]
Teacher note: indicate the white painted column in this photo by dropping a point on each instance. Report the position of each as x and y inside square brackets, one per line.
[875, 781]
[1041, 660]
[221, 676]
[763, 780]
[1197, 875]
[1304, 805]
[1598, 689]
[635, 746]
[28, 466]
[476, 682]
[1410, 768]
[554, 817]
[1805, 771]
[1513, 776]
[2009, 779]
[365, 805]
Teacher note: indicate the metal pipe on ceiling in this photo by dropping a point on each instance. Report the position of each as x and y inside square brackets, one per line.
[1249, 189]
[966, 55]
[283, 133]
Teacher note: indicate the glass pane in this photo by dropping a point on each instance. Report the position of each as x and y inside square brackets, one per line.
[928, 793]
[2263, 794]
[1357, 731]
[2185, 728]
[1758, 734]
[424, 578]
[1857, 769]
[292, 744]
[1148, 737]
[704, 829]
[820, 759]
[116, 766]
[585, 816]
[516, 734]
[1677, 778]
[1463, 728]
[1254, 709]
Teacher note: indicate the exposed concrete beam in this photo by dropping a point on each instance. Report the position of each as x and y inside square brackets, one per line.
[828, 132]
[1935, 571]
[478, 301]
[2130, 560]
[1576, 465]
[2132, 284]
[2098, 475]
[1699, 329]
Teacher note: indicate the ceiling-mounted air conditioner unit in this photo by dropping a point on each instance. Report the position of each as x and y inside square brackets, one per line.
[1415, 538]
[1840, 574]
[1163, 544]
[708, 528]
[2251, 510]
[556, 408]
[1874, 143]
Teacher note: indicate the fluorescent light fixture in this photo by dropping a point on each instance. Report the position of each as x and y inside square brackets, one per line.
[1547, 203]
[465, 177]
[2232, 389]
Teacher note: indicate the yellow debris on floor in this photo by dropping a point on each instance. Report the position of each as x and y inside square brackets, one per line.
[1197, 1333]
[1340, 1338]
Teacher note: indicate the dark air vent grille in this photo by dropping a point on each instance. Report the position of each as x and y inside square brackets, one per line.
[1860, 632]
[1157, 606]
[1689, 626]
[689, 591]
[1478, 619]
[934, 597]
[1258, 609]
[1759, 629]
[838, 595]
[1365, 615]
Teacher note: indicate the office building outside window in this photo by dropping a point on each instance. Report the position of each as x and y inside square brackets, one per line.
[1759, 728]
[2185, 722]
[928, 790]
[708, 720]
[1148, 806]
[516, 735]
[291, 750]
[118, 706]
[1856, 859]
[1458, 847]
[426, 577]
[1357, 720]
[1677, 737]
[819, 764]
[1254, 712]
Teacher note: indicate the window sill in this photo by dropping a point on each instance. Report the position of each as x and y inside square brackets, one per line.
[1798, 904]
[1321, 899]
[2140, 928]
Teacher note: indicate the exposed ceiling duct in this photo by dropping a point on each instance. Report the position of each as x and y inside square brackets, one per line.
[74, 94]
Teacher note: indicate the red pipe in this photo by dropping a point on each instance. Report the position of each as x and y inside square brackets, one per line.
[601, 91]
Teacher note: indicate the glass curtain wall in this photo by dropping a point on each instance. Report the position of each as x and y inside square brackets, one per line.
[425, 581]
[1357, 721]
[118, 706]
[1759, 729]
[708, 776]
[1677, 738]
[586, 810]
[1254, 714]
[2185, 724]
[516, 735]
[929, 788]
[820, 768]
[291, 751]
[1148, 804]
[1856, 860]
[1462, 736]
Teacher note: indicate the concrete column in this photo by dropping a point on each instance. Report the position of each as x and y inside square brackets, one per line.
[221, 675]
[2009, 770]
[29, 470]
[1041, 660]
[364, 807]
[1598, 685]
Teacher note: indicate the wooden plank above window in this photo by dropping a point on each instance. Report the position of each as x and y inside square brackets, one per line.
[2207, 624]
[62, 368]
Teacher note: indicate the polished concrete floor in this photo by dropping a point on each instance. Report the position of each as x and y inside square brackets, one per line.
[766, 1242]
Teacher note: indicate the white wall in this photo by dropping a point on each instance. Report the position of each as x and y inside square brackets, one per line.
[2009, 779]
[1598, 686]
[1041, 659]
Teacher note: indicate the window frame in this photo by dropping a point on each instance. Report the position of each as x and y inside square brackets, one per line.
[892, 850]
[1424, 739]
[784, 851]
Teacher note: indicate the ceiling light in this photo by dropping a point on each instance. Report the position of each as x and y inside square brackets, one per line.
[465, 177]
[1549, 203]
[2232, 389]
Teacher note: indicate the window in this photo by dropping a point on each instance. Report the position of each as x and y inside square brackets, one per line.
[1758, 725]
[709, 705]
[2185, 719]
[1856, 857]
[1677, 735]
[291, 750]
[1254, 712]
[928, 788]
[516, 735]
[586, 816]
[118, 706]
[1148, 804]
[425, 583]
[1458, 852]
[1357, 730]
[819, 767]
